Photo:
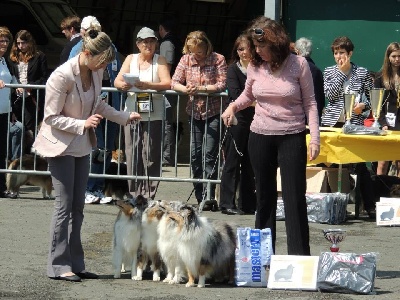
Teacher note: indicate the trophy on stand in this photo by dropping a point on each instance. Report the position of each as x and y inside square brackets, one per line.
[335, 236]
[376, 104]
[349, 100]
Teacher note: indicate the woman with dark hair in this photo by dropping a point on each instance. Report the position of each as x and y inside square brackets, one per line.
[32, 69]
[345, 77]
[281, 85]
[237, 168]
[389, 79]
[201, 70]
[341, 78]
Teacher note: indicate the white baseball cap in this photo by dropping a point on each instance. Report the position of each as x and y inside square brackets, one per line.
[145, 33]
[89, 21]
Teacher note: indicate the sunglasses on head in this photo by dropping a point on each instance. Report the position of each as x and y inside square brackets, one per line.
[258, 31]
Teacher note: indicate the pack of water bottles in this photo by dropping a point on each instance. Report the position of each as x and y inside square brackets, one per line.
[329, 208]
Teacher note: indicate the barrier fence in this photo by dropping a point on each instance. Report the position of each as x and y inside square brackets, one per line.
[178, 172]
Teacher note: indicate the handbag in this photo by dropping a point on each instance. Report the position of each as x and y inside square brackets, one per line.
[253, 256]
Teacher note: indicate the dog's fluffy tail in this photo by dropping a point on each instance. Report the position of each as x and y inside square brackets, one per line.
[14, 180]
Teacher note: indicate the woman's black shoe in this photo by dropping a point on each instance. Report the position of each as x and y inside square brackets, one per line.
[87, 275]
[73, 278]
[232, 211]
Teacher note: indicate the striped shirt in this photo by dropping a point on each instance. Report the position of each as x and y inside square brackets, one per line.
[213, 72]
[334, 80]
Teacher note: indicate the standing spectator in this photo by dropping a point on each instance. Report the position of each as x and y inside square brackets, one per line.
[389, 79]
[202, 70]
[143, 141]
[281, 85]
[70, 27]
[106, 132]
[73, 109]
[7, 75]
[237, 169]
[171, 49]
[32, 69]
[303, 47]
[347, 77]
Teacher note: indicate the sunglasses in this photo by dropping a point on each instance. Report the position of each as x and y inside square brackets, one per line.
[258, 31]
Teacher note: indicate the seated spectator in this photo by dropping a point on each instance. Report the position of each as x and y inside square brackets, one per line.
[347, 77]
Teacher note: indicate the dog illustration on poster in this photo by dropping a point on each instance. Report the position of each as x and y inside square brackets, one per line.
[284, 274]
[387, 215]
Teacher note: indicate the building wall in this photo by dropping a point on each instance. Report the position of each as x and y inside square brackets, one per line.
[122, 19]
[370, 24]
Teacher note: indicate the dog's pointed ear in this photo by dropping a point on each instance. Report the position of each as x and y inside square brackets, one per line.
[125, 207]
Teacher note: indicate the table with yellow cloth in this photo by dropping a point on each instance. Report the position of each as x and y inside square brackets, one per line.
[337, 147]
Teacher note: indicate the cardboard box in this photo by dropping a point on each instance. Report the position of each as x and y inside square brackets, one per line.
[322, 180]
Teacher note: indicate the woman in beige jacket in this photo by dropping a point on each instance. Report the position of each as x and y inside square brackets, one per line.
[73, 108]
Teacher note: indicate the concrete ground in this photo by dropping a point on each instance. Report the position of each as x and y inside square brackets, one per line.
[24, 225]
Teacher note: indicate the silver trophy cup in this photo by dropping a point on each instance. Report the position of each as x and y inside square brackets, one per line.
[376, 104]
[335, 236]
[349, 100]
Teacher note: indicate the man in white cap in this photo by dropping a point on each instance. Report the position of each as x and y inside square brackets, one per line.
[95, 186]
[87, 22]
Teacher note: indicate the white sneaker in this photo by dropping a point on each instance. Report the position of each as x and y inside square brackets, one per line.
[103, 198]
[90, 198]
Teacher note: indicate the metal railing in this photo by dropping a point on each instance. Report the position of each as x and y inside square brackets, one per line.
[181, 172]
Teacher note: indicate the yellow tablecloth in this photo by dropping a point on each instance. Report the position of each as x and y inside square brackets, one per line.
[340, 148]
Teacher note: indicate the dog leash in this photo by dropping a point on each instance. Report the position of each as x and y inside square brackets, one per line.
[227, 130]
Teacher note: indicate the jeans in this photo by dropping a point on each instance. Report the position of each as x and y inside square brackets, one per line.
[15, 140]
[105, 135]
[204, 153]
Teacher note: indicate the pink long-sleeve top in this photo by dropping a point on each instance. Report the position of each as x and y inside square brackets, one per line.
[283, 99]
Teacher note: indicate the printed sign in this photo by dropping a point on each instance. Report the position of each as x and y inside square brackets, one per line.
[293, 272]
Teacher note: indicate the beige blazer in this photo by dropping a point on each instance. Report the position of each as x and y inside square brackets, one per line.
[63, 110]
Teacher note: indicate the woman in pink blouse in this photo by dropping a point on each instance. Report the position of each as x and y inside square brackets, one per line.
[201, 70]
[282, 86]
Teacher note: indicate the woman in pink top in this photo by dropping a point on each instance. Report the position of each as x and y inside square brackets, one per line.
[282, 86]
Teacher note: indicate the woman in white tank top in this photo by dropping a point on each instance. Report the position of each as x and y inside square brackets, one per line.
[143, 142]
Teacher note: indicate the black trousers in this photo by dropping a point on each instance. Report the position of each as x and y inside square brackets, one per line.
[289, 152]
[237, 170]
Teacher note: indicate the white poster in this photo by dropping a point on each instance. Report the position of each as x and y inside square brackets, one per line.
[293, 272]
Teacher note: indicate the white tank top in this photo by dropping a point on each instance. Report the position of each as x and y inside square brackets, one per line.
[150, 75]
